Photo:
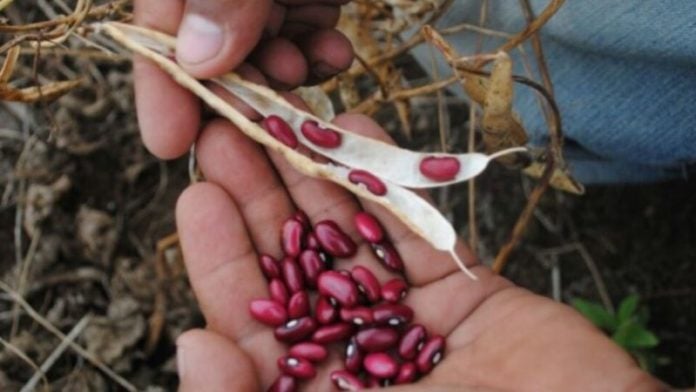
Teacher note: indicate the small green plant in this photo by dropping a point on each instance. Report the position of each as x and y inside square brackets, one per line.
[627, 327]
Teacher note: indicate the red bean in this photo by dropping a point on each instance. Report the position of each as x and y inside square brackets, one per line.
[440, 168]
[333, 240]
[295, 330]
[412, 341]
[367, 283]
[322, 137]
[298, 305]
[281, 130]
[368, 227]
[369, 180]
[269, 267]
[431, 354]
[359, 315]
[332, 333]
[312, 265]
[309, 351]
[325, 312]
[296, 367]
[292, 274]
[279, 292]
[312, 242]
[354, 356]
[345, 381]
[408, 373]
[380, 365]
[389, 256]
[302, 217]
[394, 290]
[292, 236]
[392, 314]
[284, 383]
[338, 286]
[376, 339]
[268, 312]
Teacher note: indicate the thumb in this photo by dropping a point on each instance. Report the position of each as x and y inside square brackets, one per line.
[207, 361]
[216, 35]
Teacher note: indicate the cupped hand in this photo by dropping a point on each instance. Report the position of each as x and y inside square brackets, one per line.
[291, 42]
[499, 337]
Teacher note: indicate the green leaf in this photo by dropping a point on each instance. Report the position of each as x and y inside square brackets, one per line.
[596, 314]
[627, 308]
[631, 336]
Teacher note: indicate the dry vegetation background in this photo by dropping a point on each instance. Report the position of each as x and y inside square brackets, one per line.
[88, 296]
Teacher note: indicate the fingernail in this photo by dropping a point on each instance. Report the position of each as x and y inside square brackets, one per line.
[200, 39]
[323, 70]
[180, 361]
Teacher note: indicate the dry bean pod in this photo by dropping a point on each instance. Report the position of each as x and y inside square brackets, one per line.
[334, 240]
[296, 367]
[368, 226]
[376, 339]
[431, 354]
[367, 283]
[380, 365]
[345, 381]
[268, 312]
[295, 330]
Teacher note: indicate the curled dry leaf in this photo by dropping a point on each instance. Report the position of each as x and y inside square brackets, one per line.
[382, 166]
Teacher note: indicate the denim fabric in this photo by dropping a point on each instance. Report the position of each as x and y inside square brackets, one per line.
[624, 74]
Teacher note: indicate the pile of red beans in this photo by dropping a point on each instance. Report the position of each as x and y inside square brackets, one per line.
[351, 308]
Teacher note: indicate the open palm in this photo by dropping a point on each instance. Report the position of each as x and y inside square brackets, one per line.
[499, 337]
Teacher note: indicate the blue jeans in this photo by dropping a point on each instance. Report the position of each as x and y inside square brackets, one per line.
[624, 75]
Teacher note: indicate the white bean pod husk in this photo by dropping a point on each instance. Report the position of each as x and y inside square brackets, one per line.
[419, 215]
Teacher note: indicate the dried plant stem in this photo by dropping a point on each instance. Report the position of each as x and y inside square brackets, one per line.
[471, 188]
[534, 26]
[55, 331]
[53, 357]
[11, 347]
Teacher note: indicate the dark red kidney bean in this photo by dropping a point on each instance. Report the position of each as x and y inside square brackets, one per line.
[281, 130]
[388, 255]
[345, 381]
[334, 240]
[376, 339]
[369, 180]
[309, 351]
[412, 341]
[368, 226]
[431, 354]
[298, 305]
[367, 283]
[354, 356]
[440, 168]
[296, 367]
[395, 315]
[339, 287]
[311, 241]
[374, 382]
[408, 373]
[394, 290]
[312, 265]
[332, 333]
[268, 312]
[359, 315]
[380, 365]
[295, 330]
[322, 137]
[279, 292]
[325, 312]
[302, 217]
[284, 383]
[292, 274]
[292, 237]
[269, 267]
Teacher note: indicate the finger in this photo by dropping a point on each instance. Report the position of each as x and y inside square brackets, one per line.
[282, 62]
[328, 52]
[238, 164]
[315, 15]
[223, 270]
[217, 35]
[168, 114]
[206, 360]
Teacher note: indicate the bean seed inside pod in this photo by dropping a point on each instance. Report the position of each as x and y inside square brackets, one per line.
[440, 168]
[322, 137]
[369, 180]
[281, 130]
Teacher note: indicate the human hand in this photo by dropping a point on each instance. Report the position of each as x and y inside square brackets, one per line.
[499, 337]
[285, 42]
